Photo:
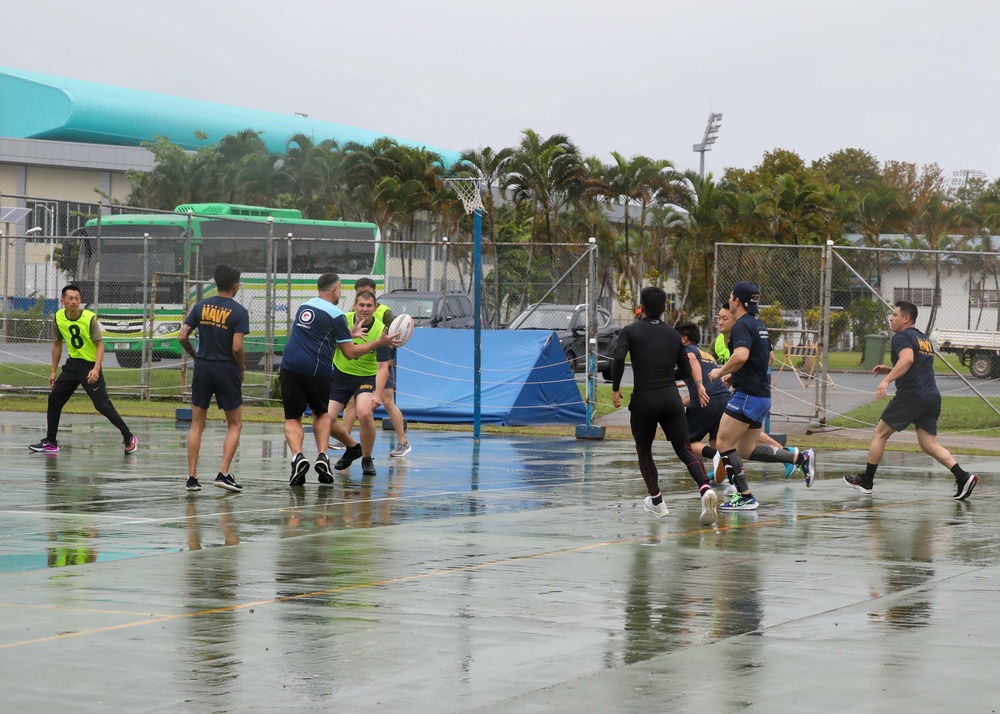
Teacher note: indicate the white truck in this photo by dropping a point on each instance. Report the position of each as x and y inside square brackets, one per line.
[979, 349]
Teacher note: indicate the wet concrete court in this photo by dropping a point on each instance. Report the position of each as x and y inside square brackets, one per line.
[521, 575]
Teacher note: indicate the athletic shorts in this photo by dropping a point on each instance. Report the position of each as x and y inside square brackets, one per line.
[923, 413]
[216, 379]
[750, 410]
[346, 386]
[301, 390]
[704, 421]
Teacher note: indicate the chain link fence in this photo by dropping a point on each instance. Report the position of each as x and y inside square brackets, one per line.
[142, 275]
[827, 308]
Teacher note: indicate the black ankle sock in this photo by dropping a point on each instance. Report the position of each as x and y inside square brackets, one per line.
[658, 499]
[959, 472]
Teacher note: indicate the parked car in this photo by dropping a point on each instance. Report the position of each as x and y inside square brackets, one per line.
[569, 322]
[431, 308]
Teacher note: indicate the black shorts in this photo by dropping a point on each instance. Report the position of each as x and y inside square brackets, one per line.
[923, 413]
[301, 390]
[216, 379]
[346, 386]
[658, 407]
[704, 421]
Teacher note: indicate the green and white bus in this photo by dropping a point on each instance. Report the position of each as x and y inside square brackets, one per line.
[190, 242]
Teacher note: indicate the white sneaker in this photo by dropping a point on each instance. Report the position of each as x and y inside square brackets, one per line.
[401, 449]
[709, 507]
[718, 468]
[659, 511]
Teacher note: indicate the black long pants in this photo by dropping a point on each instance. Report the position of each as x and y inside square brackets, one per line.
[661, 407]
[74, 374]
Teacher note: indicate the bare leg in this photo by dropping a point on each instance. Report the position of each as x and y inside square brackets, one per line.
[234, 425]
[194, 439]
[395, 415]
[294, 435]
[929, 443]
[321, 430]
[337, 430]
[881, 435]
[366, 421]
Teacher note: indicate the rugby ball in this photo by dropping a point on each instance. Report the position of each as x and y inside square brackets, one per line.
[402, 327]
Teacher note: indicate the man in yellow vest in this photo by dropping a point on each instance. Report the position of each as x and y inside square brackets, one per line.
[364, 379]
[402, 447]
[81, 331]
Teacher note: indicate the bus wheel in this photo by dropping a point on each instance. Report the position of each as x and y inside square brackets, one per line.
[129, 360]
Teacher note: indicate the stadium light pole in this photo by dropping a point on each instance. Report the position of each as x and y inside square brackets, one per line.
[711, 134]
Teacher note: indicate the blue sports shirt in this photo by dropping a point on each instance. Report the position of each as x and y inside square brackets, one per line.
[319, 325]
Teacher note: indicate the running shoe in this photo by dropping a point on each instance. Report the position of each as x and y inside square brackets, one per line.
[808, 466]
[45, 445]
[709, 507]
[367, 466]
[739, 502]
[659, 510]
[401, 449]
[227, 482]
[352, 454]
[300, 467]
[131, 445]
[857, 482]
[718, 468]
[965, 487]
[192, 484]
[322, 469]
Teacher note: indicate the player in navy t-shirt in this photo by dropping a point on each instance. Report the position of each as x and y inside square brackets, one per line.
[917, 402]
[306, 375]
[221, 323]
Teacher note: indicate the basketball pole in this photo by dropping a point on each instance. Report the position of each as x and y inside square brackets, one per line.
[477, 356]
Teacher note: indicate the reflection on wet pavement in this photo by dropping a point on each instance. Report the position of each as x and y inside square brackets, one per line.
[517, 574]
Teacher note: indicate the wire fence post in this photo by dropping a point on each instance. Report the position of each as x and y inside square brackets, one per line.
[146, 374]
[588, 430]
[827, 313]
[288, 291]
[269, 309]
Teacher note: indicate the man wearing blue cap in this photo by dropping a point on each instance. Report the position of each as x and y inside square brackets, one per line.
[744, 417]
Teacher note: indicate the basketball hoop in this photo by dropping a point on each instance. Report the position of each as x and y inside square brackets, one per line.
[470, 191]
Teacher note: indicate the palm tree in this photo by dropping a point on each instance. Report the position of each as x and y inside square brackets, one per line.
[546, 173]
[641, 181]
[704, 210]
[880, 212]
[490, 167]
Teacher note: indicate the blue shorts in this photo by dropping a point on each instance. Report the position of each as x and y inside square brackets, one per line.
[751, 410]
[218, 379]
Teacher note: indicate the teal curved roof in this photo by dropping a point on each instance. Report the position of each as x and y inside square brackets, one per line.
[40, 106]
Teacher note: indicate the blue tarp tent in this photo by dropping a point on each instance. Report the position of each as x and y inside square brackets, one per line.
[525, 378]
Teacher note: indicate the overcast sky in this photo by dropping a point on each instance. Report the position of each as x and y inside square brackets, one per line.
[906, 80]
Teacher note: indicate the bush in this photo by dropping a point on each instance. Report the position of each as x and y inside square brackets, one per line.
[867, 317]
[773, 320]
[29, 325]
[839, 322]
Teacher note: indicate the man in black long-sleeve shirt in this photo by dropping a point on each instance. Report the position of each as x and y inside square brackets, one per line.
[657, 353]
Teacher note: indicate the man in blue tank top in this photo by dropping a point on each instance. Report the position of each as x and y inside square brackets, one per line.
[917, 402]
